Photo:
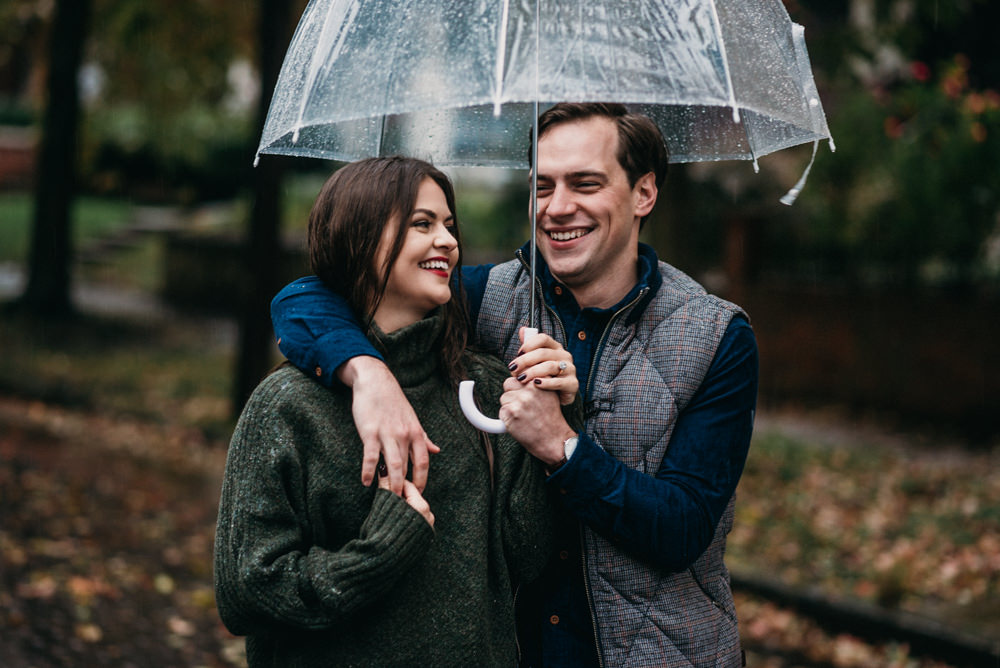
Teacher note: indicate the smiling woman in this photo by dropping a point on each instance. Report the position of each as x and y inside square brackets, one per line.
[361, 249]
[317, 569]
[418, 281]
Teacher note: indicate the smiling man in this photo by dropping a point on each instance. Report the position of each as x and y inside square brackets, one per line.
[668, 377]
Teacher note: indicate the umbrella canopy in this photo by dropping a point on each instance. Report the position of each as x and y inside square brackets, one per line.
[459, 82]
[456, 81]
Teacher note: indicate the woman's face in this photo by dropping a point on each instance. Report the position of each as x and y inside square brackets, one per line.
[420, 279]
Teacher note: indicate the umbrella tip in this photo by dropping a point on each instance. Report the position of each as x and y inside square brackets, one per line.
[256, 160]
[295, 136]
[789, 198]
[736, 114]
[496, 108]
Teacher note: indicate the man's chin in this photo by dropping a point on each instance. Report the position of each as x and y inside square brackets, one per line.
[564, 269]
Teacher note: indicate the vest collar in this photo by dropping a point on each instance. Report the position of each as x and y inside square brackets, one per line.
[557, 294]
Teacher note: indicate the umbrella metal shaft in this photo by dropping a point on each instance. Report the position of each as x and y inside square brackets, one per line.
[534, 215]
[534, 169]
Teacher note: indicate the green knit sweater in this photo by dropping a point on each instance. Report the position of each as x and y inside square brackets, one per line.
[318, 570]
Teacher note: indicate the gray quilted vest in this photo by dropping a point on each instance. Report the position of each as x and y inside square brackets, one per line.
[646, 375]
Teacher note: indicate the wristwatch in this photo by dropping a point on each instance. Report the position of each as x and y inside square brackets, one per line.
[569, 447]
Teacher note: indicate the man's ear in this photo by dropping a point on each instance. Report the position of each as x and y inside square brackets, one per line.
[644, 194]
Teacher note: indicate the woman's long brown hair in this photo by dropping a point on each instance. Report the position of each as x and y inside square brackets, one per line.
[345, 229]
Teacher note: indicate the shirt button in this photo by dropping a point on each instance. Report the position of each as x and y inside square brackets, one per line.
[319, 372]
[582, 335]
[554, 619]
[557, 290]
[563, 554]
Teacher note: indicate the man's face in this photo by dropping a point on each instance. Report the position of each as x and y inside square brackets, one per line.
[588, 216]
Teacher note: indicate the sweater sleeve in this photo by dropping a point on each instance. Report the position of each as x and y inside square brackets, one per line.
[268, 572]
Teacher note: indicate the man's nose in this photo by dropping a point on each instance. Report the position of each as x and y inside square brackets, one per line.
[560, 202]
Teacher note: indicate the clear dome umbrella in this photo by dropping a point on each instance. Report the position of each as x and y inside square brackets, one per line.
[461, 82]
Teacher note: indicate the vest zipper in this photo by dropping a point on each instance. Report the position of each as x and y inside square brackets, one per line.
[583, 546]
[604, 336]
[590, 599]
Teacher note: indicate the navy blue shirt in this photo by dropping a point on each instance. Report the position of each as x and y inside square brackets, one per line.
[666, 520]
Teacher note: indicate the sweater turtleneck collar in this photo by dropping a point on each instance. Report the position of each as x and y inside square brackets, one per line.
[411, 351]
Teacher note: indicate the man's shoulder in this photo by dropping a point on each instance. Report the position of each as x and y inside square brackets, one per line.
[675, 280]
[505, 270]
[679, 290]
[504, 286]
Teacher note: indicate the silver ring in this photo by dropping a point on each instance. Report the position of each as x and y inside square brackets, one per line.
[562, 367]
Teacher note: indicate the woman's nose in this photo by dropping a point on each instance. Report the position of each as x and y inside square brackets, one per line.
[445, 239]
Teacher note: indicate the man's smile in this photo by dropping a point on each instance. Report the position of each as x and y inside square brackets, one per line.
[568, 235]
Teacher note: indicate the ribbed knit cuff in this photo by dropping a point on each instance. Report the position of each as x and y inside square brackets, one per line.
[401, 529]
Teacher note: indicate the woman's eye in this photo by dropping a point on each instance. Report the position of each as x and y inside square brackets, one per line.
[421, 223]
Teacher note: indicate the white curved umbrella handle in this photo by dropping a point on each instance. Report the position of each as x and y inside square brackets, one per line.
[468, 403]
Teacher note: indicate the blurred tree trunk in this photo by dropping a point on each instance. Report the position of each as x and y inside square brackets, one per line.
[263, 244]
[49, 261]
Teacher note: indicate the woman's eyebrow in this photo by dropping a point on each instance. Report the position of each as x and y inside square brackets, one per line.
[430, 214]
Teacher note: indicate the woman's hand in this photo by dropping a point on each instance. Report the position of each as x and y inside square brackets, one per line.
[543, 362]
[410, 494]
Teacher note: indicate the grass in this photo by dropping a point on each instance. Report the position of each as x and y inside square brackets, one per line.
[92, 217]
[166, 372]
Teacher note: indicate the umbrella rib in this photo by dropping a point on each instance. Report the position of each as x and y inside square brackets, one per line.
[314, 68]
[386, 93]
[501, 57]
[725, 63]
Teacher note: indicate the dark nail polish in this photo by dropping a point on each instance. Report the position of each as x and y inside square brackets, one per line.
[382, 470]
[512, 366]
[522, 376]
[538, 381]
[519, 353]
